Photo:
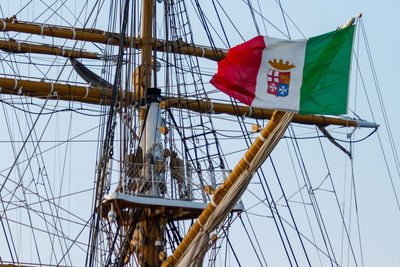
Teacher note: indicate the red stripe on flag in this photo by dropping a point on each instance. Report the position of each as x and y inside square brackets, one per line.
[237, 72]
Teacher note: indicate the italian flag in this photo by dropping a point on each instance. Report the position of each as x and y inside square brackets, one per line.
[308, 76]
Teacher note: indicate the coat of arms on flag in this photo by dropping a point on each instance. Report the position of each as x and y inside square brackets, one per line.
[279, 78]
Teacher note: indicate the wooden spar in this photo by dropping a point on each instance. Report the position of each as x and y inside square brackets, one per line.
[86, 94]
[21, 47]
[220, 193]
[259, 113]
[102, 96]
[98, 36]
[90, 35]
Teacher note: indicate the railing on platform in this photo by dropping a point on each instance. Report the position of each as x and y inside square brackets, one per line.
[171, 183]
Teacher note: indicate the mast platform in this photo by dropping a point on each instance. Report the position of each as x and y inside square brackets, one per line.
[174, 209]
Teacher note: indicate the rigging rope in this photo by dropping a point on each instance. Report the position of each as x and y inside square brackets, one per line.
[270, 199]
[384, 114]
[338, 204]
[254, 17]
[312, 197]
[290, 211]
[107, 152]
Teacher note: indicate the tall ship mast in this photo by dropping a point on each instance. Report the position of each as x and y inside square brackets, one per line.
[120, 152]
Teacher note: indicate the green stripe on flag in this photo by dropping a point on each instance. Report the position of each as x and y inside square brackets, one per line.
[326, 73]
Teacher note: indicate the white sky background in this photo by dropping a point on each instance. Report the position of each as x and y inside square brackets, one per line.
[379, 215]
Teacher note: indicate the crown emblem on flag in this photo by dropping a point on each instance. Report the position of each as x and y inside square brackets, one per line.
[280, 65]
[278, 78]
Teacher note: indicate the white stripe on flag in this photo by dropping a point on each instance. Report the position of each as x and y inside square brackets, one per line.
[294, 53]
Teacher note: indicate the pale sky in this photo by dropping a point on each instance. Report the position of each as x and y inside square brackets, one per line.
[379, 215]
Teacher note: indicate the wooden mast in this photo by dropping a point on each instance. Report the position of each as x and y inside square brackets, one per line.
[148, 238]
